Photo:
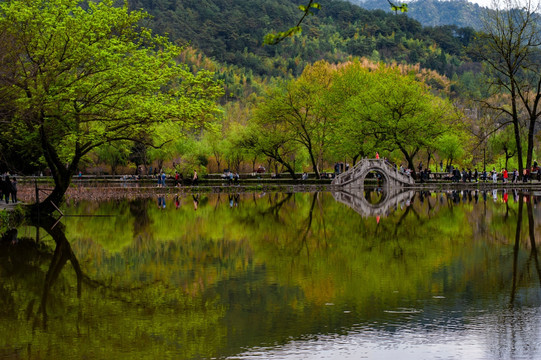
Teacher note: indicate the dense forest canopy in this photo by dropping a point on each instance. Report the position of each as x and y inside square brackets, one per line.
[461, 13]
[233, 32]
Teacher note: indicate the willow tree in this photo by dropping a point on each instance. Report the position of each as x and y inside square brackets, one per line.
[82, 74]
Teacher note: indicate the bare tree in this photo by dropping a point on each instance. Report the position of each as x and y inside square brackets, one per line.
[509, 44]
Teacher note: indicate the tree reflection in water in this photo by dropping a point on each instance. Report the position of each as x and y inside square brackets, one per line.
[211, 282]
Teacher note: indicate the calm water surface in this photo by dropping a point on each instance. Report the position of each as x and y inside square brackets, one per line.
[417, 275]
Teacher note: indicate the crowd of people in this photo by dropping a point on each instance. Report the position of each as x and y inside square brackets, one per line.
[231, 177]
[506, 176]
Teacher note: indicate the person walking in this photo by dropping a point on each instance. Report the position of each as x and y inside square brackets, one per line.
[505, 175]
[8, 189]
[195, 179]
[377, 155]
[163, 176]
[14, 190]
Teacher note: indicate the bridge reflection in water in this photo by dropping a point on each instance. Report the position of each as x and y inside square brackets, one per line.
[361, 199]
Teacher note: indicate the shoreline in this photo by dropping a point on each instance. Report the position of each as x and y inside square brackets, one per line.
[111, 190]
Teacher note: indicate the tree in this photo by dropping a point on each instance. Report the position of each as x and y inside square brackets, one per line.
[504, 142]
[451, 147]
[400, 112]
[275, 38]
[270, 138]
[509, 44]
[308, 9]
[304, 111]
[115, 154]
[351, 137]
[214, 139]
[88, 75]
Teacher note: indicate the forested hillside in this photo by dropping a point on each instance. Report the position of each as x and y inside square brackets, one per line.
[232, 32]
[461, 13]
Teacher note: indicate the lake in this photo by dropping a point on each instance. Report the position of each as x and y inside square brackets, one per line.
[372, 275]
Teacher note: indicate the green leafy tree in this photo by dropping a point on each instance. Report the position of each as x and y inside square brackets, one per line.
[115, 155]
[351, 138]
[271, 139]
[275, 38]
[305, 111]
[89, 75]
[451, 147]
[503, 142]
[401, 113]
[307, 10]
[215, 142]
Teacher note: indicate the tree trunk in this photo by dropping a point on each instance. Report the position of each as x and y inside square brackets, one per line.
[253, 163]
[529, 154]
[279, 160]
[290, 170]
[516, 127]
[314, 164]
[354, 159]
[61, 175]
[409, 159]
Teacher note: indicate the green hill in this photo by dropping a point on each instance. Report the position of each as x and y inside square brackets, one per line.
[436, 13]
[232, 32]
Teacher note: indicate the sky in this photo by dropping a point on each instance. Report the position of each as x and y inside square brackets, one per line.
[481, 2]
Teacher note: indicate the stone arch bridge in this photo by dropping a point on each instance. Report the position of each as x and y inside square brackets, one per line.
[354, 177]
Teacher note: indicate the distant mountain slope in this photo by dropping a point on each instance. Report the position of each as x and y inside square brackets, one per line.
[232, 31]
[435, 13]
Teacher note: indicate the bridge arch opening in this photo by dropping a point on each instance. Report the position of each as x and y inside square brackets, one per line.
[375, 178]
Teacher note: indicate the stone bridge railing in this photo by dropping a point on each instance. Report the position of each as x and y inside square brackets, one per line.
[355, 176]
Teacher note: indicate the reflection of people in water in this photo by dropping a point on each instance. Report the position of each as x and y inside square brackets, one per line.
[195, 201]
[495, 195]
[10, 237]
[177, 202]
[161, 202]
[456, 197]
[234, 200]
